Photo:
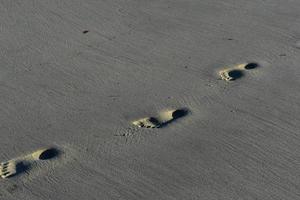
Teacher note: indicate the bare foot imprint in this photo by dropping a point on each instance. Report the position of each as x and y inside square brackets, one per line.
[237, 71]
[22, 164]
[163, 119]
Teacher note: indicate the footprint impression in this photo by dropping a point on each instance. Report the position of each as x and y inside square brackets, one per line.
[236, 72]
[163, 119]
[21, 164]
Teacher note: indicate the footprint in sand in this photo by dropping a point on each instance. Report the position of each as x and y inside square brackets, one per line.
[21, 164]
[163, 118]
[236, 72]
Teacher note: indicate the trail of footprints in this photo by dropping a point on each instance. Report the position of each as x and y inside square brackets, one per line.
[168, 116]
[165, 117]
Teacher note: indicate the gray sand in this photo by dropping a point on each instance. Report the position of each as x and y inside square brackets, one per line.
[74, 74]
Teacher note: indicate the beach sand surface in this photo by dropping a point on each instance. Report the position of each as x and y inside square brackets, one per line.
[76, 74]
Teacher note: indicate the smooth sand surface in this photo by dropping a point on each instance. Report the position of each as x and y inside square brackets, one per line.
[75, 74]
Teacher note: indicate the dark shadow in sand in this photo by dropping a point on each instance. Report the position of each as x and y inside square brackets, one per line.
[176, 115]
[21, 167]
[251, 66]
[49, 154]
[235, 74]
[154, 121]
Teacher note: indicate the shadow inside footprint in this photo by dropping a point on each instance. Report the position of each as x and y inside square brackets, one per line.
[235, 74]
[175, 115]
[179, 113]
[251, 66]
[154, 121]
[21, 167]
[49, 154]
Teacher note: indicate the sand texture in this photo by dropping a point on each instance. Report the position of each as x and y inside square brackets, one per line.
[150, 100]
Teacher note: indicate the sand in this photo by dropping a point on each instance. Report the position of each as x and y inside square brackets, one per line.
[74, 75]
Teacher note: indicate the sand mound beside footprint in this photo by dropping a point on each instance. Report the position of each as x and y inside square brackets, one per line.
[236, 72]
[163, 118]
[19, 164]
